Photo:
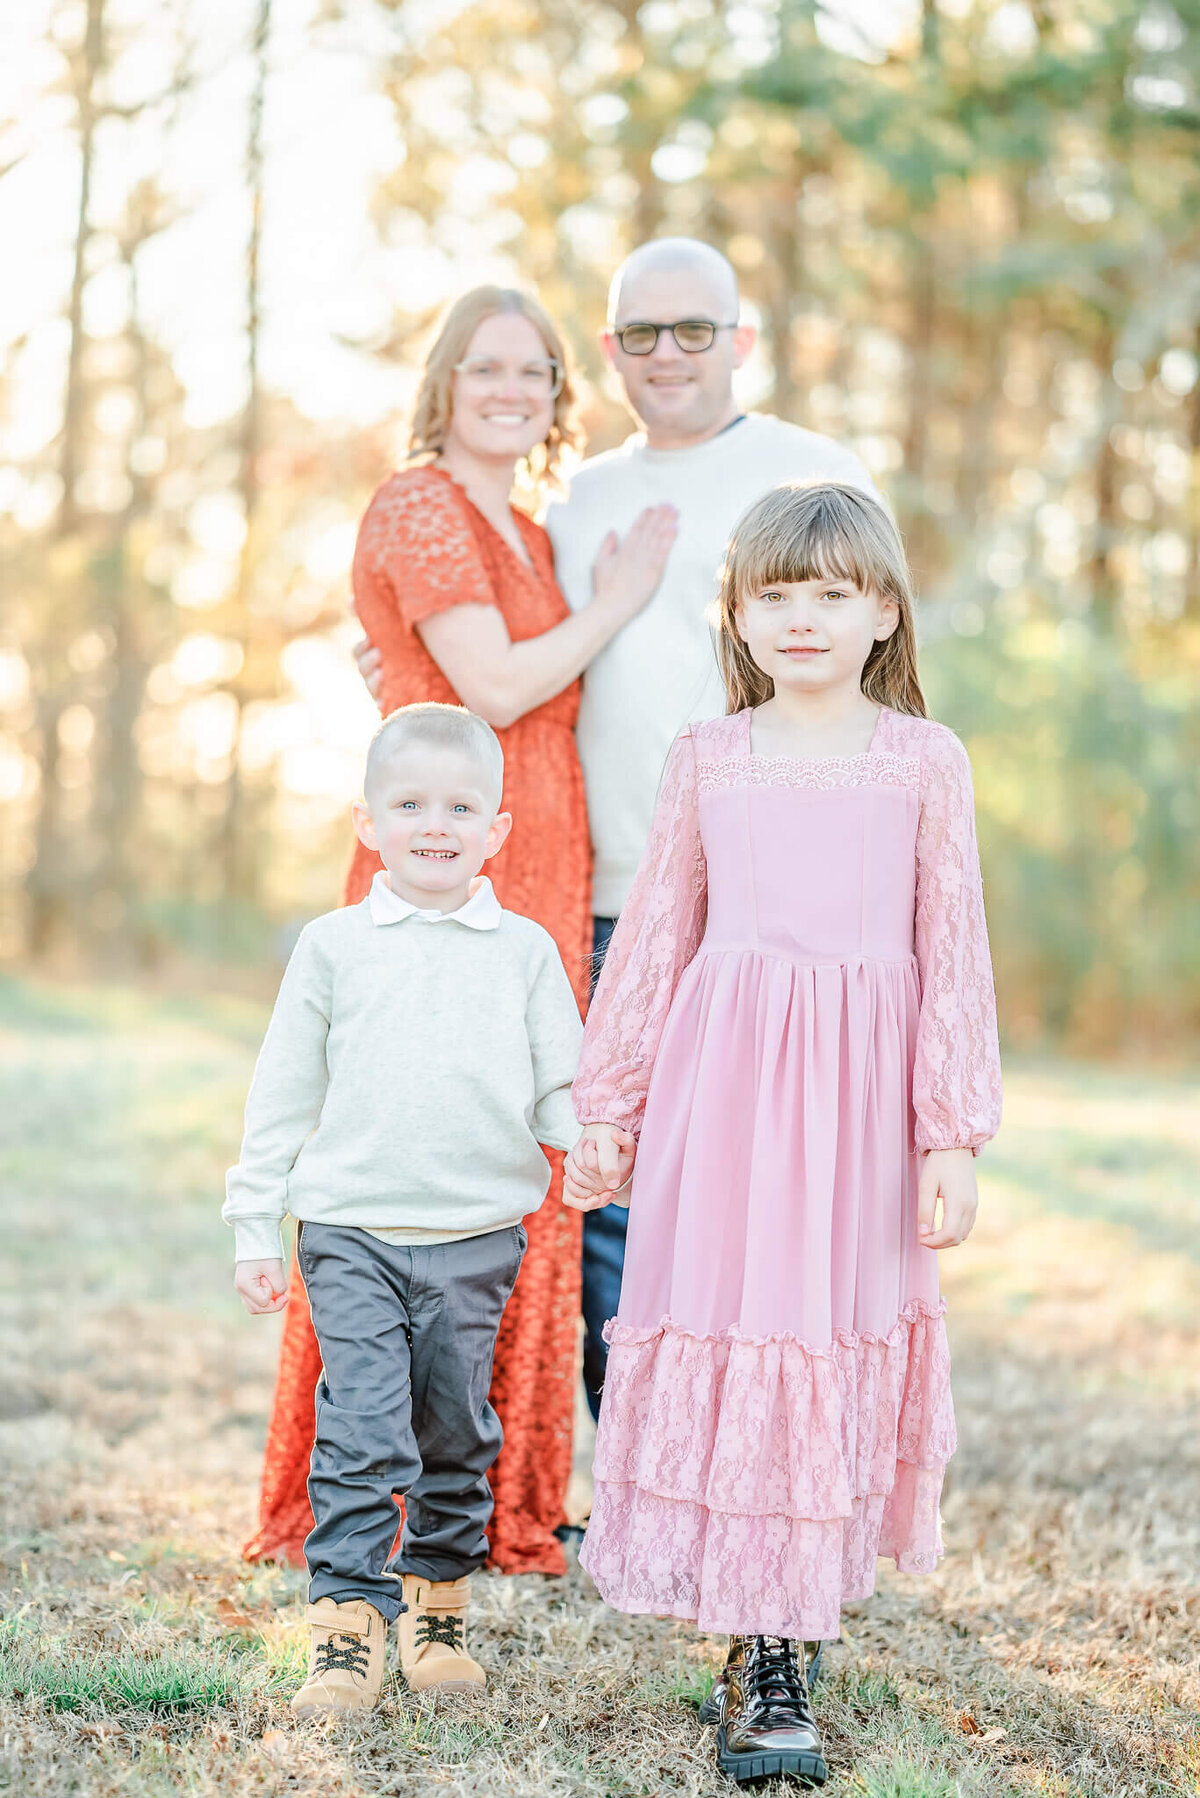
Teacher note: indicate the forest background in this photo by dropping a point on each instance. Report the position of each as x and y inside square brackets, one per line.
[968, 231]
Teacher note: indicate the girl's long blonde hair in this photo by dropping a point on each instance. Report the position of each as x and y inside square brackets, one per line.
[819, 530]
[451, 338]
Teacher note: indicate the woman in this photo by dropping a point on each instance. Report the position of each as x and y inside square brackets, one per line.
[456, 589]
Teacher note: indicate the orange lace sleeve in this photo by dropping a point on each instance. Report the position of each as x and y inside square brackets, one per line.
[416, 554]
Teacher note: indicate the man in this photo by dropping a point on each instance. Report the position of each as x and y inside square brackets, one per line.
[674, 341]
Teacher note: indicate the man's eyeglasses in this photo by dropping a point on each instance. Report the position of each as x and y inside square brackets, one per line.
[544, 379]
[691, 334]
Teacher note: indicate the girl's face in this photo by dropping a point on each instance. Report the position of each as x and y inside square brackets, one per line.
[812, 636]
[502, 392]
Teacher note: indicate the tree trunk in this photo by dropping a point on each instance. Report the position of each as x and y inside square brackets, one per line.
[238, 857]
[922, 315]
[48, 880]
[118, 784]
[46, 885]
[1104, 535]
[1192, 504]
[787, 281]
[69, 457]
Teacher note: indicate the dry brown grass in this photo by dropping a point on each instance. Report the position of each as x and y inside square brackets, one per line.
[1056, 1652]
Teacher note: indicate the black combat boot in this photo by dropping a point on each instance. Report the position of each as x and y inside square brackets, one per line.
[767, 1729]
[714, 1704]
[710, 1710]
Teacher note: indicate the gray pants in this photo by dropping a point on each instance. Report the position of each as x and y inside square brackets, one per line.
[407, 1337]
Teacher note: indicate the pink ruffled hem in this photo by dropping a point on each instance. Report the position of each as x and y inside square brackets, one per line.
[749, 1484]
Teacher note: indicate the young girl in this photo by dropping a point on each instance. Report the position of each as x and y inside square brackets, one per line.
[794, 1032]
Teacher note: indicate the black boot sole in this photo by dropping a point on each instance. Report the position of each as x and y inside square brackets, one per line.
[710, 1710]
[748, 1769]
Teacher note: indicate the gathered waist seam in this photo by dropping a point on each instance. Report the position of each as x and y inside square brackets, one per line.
[847, 961]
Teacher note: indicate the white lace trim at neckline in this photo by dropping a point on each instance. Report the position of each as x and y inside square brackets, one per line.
[870, 767]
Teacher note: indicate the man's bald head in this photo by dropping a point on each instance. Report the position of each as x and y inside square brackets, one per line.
[709, 274]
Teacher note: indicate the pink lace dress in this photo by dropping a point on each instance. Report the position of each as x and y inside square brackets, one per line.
[797, 1001]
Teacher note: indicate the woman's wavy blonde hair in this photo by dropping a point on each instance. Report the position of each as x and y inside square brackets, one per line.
[451, 338]
[811, 531]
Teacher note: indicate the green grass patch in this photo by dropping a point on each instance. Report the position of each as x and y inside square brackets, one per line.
[191, 1677]
[904, 1776]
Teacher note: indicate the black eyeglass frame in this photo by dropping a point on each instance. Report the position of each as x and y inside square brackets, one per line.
[645, 325]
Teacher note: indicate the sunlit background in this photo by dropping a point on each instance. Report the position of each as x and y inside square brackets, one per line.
[969, 235]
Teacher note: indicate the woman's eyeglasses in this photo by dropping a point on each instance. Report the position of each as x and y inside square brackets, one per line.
[543, 379]
[691, 334]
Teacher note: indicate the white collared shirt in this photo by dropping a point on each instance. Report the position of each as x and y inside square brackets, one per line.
[482, 911]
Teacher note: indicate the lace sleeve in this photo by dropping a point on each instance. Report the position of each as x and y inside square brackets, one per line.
[657, 935]
[417, 547]
[956, 1079]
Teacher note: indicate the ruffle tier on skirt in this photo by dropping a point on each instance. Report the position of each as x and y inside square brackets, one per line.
[749, 1484]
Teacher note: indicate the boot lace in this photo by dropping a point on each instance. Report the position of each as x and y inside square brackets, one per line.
[774, 1683]
[444, 1629]
[352, 1657]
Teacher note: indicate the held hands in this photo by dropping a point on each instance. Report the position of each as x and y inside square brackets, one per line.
[261, 1286]
[598, 1167]
[948, 1175]
[625, 574]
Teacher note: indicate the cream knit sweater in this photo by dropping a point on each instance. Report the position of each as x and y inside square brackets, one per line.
[410, 1070]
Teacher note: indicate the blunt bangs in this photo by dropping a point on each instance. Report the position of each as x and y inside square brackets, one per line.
[818, 531]
[817, 534]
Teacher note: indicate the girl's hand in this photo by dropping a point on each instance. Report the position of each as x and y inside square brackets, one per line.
[261, 1286]
[948, 1175]
[625, 575]
[599, 1165]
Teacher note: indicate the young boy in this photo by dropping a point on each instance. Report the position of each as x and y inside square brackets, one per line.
[422, 1045]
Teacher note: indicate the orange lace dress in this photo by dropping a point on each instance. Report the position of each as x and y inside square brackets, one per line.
[422, 548]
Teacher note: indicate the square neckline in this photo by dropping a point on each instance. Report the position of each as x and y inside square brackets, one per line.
[810, 761]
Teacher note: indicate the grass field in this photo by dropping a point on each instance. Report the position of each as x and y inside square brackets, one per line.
[1056, 1653]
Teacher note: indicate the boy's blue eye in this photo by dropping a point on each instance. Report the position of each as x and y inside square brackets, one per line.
[408, 805]
[462, 808]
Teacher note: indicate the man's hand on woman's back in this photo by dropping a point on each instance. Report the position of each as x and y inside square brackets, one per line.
[370, 665]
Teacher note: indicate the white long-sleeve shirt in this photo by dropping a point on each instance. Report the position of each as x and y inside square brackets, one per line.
[660, 673]
[412, 1066]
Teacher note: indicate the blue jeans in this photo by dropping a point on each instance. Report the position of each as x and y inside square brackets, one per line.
[603, 1251]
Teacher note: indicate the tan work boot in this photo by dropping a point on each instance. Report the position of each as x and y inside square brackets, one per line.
[433, 1636]
[345, 1657]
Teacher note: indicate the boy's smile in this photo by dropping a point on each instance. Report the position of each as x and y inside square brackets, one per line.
[431, 814]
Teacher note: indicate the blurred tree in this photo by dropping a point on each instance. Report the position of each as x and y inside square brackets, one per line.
[972, 243]
[240, 836]
[49, 879]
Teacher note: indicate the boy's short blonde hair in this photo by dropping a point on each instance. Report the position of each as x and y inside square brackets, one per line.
[438, 727]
